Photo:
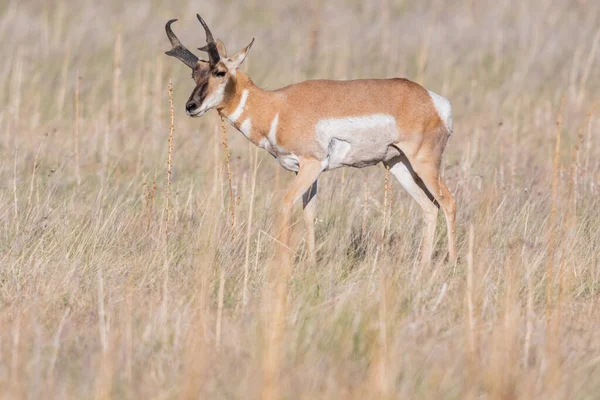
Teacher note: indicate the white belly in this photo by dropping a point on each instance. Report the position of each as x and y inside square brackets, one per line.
[356, 141]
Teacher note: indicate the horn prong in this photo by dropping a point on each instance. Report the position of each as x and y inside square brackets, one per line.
[211, 45]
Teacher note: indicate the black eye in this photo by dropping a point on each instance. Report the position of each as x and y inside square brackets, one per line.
[220, 74]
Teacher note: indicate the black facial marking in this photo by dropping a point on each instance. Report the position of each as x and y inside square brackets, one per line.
[202, 90]
[199, 92]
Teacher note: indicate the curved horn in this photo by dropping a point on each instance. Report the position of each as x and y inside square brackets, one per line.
[179, 50]
[211, 46]
[209, 36]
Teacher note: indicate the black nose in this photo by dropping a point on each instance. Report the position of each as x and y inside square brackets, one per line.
[190, 106]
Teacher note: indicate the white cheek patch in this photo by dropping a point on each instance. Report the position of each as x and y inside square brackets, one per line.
[214, 99]
[246, 127]
[237, 113]
[444, 109]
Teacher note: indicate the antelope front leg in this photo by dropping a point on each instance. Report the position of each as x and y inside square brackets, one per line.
[309, 202]
[307, 175]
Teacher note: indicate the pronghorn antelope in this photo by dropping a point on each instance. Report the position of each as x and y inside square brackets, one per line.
[319, 125]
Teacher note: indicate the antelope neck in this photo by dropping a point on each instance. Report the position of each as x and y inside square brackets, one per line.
[250, 109]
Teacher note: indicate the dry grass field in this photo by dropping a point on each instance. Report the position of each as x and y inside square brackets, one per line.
[114, 284]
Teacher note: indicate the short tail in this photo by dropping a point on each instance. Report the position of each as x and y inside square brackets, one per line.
[444, 109]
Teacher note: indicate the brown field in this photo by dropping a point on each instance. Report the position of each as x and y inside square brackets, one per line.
[100, 297]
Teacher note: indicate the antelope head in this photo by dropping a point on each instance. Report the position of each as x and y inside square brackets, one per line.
[215, 79]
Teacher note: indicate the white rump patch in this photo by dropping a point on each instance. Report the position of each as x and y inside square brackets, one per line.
[246, 127]
[356, 141]
[240, 108]
[444, 109]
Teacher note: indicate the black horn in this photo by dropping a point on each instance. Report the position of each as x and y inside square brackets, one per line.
[179, 50]
[211, 45]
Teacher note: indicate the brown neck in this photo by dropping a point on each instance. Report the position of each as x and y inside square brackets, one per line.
[249, 106]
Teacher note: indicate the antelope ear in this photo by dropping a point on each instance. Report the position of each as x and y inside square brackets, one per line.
[238, 58]
[221, 48]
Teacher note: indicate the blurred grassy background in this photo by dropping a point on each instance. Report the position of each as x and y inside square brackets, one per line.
[94, 303]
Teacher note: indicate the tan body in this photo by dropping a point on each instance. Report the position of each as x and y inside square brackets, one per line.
[314, 126]
[394, 121]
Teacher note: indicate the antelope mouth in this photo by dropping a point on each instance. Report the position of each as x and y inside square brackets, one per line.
[196, 114]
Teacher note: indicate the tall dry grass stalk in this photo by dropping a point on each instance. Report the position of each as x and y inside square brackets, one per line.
[505, 371]
[220, 301]
[423, 56]
[56, 346]
[229, 176]
[381, 361]
[15, 389]
[33, 182]
[169, 159]
[386, 189]
[15, 195]
[570, 215]
[588, 66]
[76, 134]
[103, 382]
[198, 357]
[363, 225]
[390, 204]
[249, 230]
[588, 146]
[569, 222]
[157, 87]
[116, 86]
[17, 86]
[274, 331]
[553, 213]
[275, 298]
[554, 242]
[167, 212]
[529, 309]
[150, 194]
[221, 292]
[102, 329]
[471, 372]
[129, 337]
[277, 179]
[514, 145]
[62, 91]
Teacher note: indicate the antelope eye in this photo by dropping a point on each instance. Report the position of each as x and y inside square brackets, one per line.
[220, 74]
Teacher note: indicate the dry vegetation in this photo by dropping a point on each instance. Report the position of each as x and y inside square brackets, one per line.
[98, 298]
